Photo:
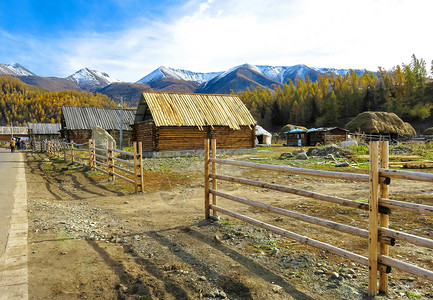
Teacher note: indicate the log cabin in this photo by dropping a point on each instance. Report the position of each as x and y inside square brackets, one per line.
[44, 131]
[171, 122]
[315, 136]
[78, 122]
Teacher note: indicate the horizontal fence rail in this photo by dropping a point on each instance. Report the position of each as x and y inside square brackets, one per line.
[379, 236]
[102, 160]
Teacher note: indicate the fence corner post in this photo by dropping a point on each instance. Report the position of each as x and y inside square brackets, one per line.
[384, 218]
[206, 179]
[214, 181]
[373, 218]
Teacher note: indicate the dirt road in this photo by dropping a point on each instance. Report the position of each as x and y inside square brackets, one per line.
[94, 239]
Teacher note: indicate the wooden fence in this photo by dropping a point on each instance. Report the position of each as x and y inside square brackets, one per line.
[103, 160]
[379, 236]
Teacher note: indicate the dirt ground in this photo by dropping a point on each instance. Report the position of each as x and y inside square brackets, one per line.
[90, 238]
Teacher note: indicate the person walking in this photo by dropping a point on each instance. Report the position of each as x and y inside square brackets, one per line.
[12, 144]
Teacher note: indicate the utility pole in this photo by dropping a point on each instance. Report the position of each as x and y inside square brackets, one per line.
[12, 131]
[120, 105]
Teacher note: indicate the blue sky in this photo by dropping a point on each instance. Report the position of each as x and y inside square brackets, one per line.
[130, 38]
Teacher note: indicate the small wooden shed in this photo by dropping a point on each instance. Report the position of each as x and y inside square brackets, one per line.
[44, 131]
[325, 136]
[314, 136]
[78, 122]
[177, 122]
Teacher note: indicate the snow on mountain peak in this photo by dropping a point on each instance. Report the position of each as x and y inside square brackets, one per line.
[178, 74]
[15, 69]
[91, 77]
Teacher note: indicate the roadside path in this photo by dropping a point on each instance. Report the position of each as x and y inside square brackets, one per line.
[13, 226]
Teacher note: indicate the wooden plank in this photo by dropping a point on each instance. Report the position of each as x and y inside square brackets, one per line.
[402, 266]
[214, 180]
[300, 238]
[299, 171]
[373, 219]
[313, 195]
[415, 207]
[408, 175]
[206, 179]
[384, 218]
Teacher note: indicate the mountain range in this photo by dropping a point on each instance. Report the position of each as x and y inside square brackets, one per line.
[168, 79]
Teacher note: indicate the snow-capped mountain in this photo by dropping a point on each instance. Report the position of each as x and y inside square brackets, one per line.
[15, 70]
[177, 74]
[91, 79]
[276, 73]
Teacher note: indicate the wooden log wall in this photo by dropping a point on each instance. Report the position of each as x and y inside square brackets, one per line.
[174, 138]
[171, 138]
[79, 136]
[145, 132]
[234, 139]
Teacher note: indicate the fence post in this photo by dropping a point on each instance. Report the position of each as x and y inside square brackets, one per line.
[373, 218]
[206, 179]
[72, 152]
[384, 218]
[140, 166]
[91, 154]
[214, 181]
[64, 150]
[109, 168]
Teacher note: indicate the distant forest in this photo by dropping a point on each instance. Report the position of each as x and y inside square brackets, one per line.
[21, 103]
[333, 100]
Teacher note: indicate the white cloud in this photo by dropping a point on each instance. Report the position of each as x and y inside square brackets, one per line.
[216, 35]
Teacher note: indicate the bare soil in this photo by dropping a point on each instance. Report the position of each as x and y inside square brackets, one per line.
[90, 238]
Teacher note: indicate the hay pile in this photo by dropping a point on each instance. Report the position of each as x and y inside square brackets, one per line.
[288, 127]
[428, 131]
[380, 123]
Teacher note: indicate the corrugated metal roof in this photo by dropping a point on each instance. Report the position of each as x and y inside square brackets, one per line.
[170, 109]
[14, 130]
[89, 117]
[45, 128]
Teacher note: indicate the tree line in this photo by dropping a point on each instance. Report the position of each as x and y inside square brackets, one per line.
[21, 103]
[333, 100]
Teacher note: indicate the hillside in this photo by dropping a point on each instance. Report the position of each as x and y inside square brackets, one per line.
[21, 103]
[130, 92]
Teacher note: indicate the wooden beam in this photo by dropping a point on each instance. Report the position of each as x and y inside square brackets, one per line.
[384, 218]
[373, 219]
[206, 179]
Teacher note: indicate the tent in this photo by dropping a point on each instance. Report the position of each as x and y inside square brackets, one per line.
[262, 136]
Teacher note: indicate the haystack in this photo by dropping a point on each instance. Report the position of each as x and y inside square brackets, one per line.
[428, 131]
[380, 123]
[289, 127]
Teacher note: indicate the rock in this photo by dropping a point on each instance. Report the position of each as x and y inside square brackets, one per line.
[332, 149]
[335, 275]
[275, 251]
[202, 278]
[63, 253]
[217, 239]
[342, 164]
[121, 287]
[102, 137]
[277, 289]
[302, 156]
[330, 157]
[319, 272]
[297, 151]
[214, 218]
[286, 155]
